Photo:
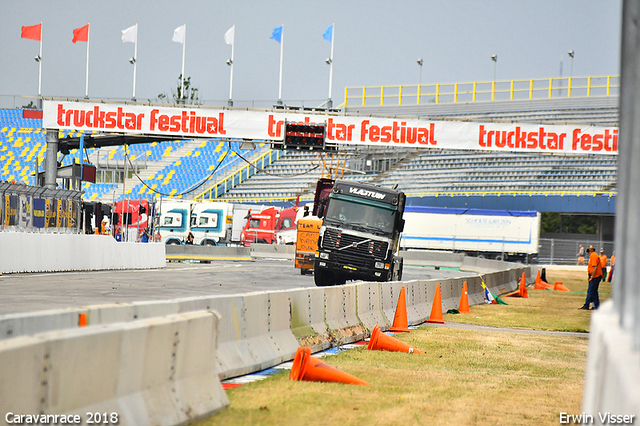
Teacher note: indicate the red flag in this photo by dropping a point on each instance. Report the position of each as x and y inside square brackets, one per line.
[32, 32]
[81, 34]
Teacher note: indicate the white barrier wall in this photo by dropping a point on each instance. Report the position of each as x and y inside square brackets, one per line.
[369, 306]
[307, 318]
[158, 371]
[340, 313]
[27, 252]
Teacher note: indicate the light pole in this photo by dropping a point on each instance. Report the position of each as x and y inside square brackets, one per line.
[571, 54]
[494, 58]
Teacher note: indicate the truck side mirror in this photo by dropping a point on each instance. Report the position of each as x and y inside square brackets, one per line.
[401, 225]
[321, 210]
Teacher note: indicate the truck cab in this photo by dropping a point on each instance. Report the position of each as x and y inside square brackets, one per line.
[267, 226]
[360, 232]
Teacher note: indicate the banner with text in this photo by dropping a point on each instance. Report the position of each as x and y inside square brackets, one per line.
[191, 122]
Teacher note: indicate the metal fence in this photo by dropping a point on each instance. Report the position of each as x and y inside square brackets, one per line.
[37, 209]
[565, 252]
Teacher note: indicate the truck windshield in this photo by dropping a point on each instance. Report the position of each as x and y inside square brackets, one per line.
[360, 215]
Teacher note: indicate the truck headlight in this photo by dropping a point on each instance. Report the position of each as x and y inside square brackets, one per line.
[378, 274]
[322, 264]
[324, 255]
[379, 265]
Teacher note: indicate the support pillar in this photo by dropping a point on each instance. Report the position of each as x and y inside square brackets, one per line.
[51, 160]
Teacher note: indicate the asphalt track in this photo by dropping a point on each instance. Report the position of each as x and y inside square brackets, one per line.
[20, 293]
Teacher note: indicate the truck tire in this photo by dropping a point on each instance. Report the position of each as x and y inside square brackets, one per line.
[209, 243]
[173, 243]
[322, 278]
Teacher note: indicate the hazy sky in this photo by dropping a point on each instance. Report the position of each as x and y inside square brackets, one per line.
[376, 43]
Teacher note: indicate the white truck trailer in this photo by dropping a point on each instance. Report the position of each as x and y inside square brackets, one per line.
[493, 234]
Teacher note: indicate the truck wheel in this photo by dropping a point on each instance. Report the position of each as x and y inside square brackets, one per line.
[173, 243]
[209, 243]
[323, 278]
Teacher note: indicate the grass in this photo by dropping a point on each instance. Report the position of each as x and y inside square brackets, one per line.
[464, 378]
[543, 309]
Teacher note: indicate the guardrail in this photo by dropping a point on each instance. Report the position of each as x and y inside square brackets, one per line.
[547, 88]
[240, 175]
[578, 193]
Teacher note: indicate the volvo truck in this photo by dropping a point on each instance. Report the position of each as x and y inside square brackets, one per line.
[360, 233]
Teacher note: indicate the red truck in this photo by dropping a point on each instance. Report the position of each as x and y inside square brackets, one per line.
[270, 226]
[131, 217]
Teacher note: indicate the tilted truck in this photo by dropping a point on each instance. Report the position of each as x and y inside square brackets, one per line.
[492, 234]
[360, 232]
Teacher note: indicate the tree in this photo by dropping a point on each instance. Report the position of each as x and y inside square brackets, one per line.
[189, 97]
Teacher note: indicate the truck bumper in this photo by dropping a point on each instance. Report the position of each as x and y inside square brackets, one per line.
[353, 272]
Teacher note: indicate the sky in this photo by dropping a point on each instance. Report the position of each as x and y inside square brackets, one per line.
[376, 43]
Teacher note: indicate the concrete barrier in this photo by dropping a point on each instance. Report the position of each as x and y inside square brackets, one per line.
[273, 251]
[269, 328]
[156, 371]
[307, 318]
[369, 306]
[340, 314]
[432, 258]
[25, 324]
[206, 253]
[27, 252]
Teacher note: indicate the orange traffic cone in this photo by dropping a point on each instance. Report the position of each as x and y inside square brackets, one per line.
[463, 307]
[522, 289]
[559, 286]
[436, 309]
[400, 318]
[82, 320]
[381, 342]
[540, 284]
[311, 369]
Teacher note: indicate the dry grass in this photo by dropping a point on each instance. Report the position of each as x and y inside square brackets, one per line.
[465, 378]
[543, 309]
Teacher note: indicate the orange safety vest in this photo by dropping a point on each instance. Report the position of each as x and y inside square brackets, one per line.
[595, 270]
[603, 260]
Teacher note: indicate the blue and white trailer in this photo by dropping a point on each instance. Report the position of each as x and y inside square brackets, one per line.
[493, 234]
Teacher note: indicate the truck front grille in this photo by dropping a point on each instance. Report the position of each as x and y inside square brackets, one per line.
[338, 241]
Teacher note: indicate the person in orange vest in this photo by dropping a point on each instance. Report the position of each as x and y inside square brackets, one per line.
[603, 264]
[595, 275]
[613, 262]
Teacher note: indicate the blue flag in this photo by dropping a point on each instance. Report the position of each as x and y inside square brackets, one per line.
[277, 34]
[328, 33]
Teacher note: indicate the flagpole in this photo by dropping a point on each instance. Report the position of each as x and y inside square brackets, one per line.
[86, 90]
[333, 34]
[135, 63]
[233, 46]
[40, 65]
[184, 46]
[281, 50]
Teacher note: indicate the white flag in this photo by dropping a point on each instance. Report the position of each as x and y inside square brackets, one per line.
[130, 35]
[178, 34]
[230, 35]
